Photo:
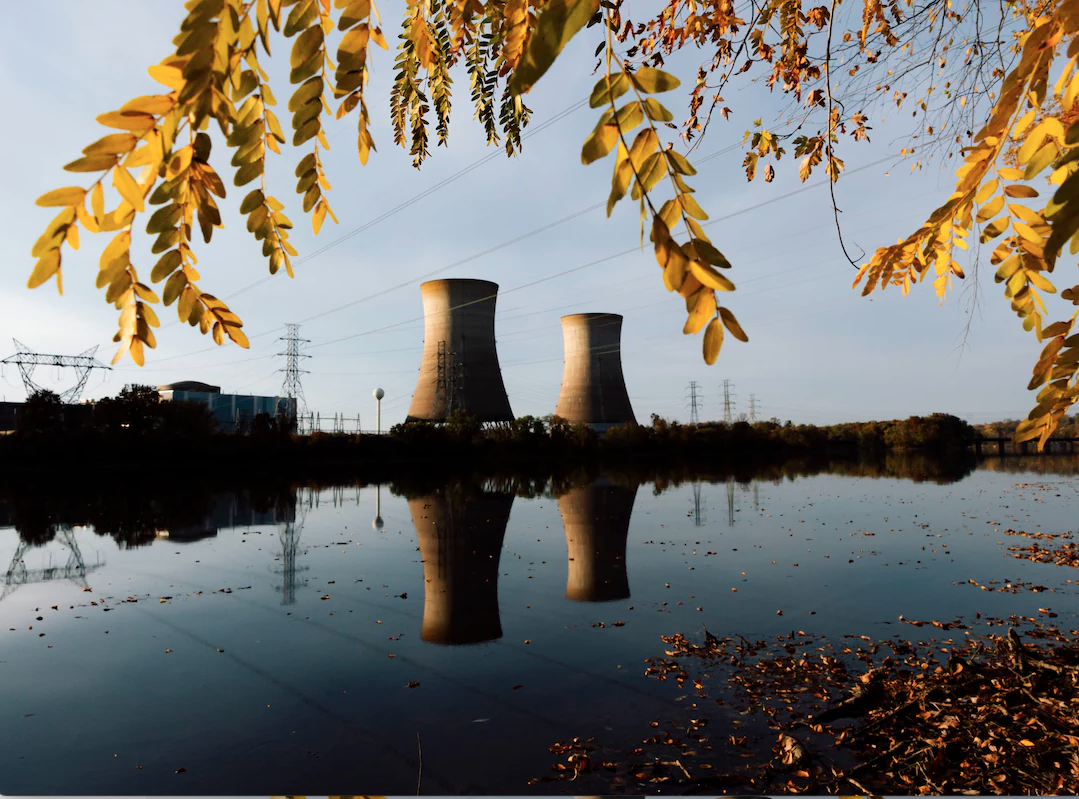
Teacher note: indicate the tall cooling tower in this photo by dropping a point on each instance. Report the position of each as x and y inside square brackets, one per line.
[596, 518]
[460, 543]
[593, 389]
[459, 369]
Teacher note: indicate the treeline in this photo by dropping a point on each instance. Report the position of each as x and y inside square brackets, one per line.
[1068, 428]
[936, 432]
[137, 424]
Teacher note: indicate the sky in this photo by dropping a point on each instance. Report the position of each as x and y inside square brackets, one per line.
[818, 351]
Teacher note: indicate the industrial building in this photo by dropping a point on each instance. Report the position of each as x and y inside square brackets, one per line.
[596, 518]
[233, 412]
[593, 388]
[460, 543]
[459, 367]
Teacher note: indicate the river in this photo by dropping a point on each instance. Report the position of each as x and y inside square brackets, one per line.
[322, 639]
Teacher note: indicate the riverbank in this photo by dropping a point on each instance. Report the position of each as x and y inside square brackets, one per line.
[464, 445]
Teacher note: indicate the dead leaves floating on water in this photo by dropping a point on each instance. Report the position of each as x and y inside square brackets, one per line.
[996, 718]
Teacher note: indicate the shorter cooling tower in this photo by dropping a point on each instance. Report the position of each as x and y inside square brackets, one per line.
[460, 543]
[593, 389]
[596, 518]
[459, 367]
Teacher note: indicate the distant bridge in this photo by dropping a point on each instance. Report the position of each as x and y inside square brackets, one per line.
[1004, 445]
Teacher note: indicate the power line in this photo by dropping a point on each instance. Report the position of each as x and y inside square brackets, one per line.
[522, 237]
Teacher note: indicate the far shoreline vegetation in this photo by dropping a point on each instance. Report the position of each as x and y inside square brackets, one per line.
[114, 430]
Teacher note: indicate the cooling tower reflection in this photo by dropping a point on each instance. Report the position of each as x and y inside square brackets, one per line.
[596, 517]
[460, 536]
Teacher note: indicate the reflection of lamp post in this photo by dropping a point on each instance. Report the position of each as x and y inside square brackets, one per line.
[379, 394]
[378, 524]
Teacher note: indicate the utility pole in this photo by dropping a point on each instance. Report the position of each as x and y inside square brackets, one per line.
[293, 390]
[728, 403]
[753, 408]
[694, 396]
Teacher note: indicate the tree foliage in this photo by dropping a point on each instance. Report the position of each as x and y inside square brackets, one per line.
[1006, 70]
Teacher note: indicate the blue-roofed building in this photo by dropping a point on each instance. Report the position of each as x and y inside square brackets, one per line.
[234, 412]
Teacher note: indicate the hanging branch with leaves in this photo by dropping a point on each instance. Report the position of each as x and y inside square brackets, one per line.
[955, 69]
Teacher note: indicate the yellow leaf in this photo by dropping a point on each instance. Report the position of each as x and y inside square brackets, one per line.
[732, 325]
[713, 341]
[157, 104]
[654, 81]
[127, 120]
[69, 195]
[128, 188]
[237, 335]
[986, 191]
[619, 85]
[1019, 190]
[703, 308]
[167, 76]
[46, 267]
[92, 163]
[991, 209]
[318, 216]
[135, 348]
[1039, 282]
[709, 276]
[1025, 742]
[558, 22]
[599, 143]
[379, 39]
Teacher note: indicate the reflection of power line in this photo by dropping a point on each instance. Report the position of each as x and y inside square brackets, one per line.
[730, 503]
[290, 546]
[75, 570]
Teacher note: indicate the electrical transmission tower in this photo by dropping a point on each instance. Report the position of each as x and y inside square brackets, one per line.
[728, 402]
[694, 396]
[753, 408]
[449, 378]
[75, 570]
[292, 389]
[27, 361]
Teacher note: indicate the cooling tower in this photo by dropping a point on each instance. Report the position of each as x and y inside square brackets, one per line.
[596, 518]
[593, 389]
[460, 543]
[459, 369]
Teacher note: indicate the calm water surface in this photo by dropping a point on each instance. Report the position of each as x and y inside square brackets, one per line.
[245, 644]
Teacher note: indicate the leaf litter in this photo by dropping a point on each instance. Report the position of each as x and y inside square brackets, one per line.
[989, 714]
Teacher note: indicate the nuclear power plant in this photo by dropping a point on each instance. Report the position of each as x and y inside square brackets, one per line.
[460, 542]
[459, 368]
[596, 518]
[593, 388]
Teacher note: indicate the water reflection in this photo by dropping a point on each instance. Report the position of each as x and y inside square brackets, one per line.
[74, 570]
[596, 517]
[460, 531]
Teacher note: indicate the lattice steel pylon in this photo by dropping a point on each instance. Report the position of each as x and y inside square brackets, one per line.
[290, 547]
[75, 570]
[694, 395]
[27, 361]
[291, 388]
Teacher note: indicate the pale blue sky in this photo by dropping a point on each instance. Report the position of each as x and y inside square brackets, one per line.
[818, 352]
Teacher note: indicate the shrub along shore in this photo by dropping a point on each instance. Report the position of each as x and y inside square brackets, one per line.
[137, 426]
